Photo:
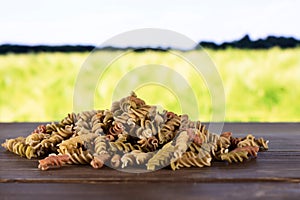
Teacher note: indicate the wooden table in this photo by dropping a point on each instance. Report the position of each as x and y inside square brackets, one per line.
[275, 173]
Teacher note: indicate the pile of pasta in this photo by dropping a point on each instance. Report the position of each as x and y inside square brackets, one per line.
[132, 134]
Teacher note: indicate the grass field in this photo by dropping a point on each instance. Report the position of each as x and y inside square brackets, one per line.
[260, 85]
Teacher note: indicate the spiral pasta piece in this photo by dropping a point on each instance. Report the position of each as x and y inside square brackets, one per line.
[135, 157]
[65, 132]
[194, 147]
[71, 145]
[190, 159]
[128, 159]
[126, 118]
[200, 137]
[181, 144]
[79, 157]
[40, 129]
[148, 144]
[207, 147]
[123, 146]
[115, 161]
[227, 135]
[19, 147]
[262, 143]
[232, 156]
[116, 129]
[100, 145]
[251, 150]
[162, 158]
[169, 128]
[51, 142]
[86, 116]
[248, 141]
[142, 157]
[84, 122]
[34, 139]
[212, 138]
[184, 123]
[223, 144]
[98, 161]
[53, 161]
[57, 136]
[69, 120]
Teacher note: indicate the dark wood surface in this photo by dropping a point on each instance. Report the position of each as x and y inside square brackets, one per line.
[275, 173]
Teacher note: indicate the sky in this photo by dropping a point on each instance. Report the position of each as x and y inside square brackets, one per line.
[57, 22]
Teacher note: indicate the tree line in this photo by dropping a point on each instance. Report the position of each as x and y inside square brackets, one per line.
[247, 43]
[243, 43]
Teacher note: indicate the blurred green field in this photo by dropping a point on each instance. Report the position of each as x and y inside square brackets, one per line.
[260, 85]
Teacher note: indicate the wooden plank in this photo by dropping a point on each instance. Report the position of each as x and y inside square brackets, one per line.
[280, 164]
[265, 168]
[150, 191]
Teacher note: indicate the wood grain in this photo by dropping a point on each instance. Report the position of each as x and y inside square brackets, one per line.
[150, 191]
[275, 173]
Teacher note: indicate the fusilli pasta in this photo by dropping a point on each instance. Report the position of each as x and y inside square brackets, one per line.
[132, 134]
